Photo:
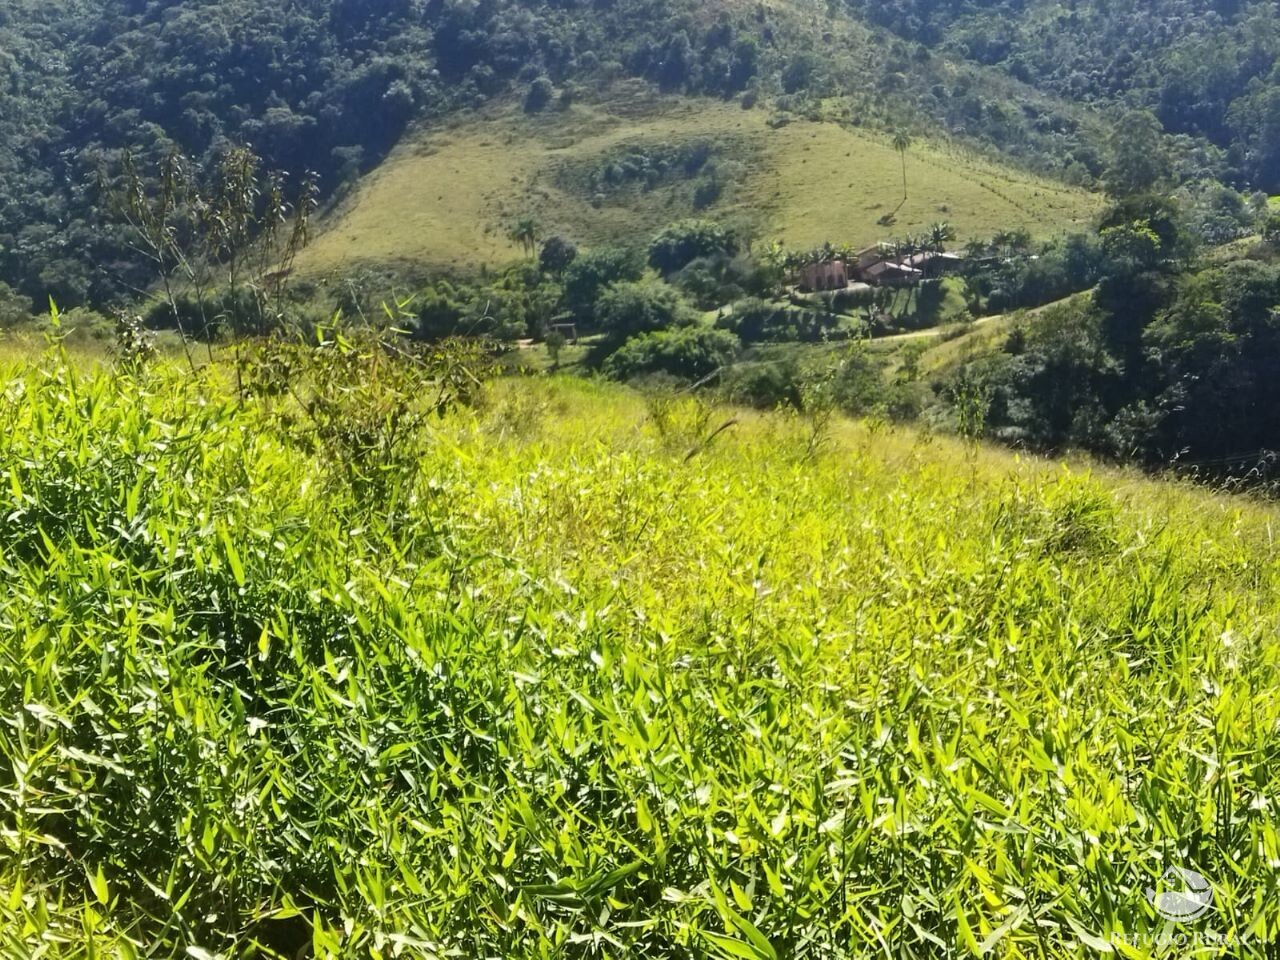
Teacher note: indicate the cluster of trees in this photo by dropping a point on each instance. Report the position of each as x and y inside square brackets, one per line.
[1171, 360]
[634, 304]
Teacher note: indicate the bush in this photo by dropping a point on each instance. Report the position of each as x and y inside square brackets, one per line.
[690, 353]
[706, 193]
[445, 311]
[755, 321]
[539, 96]
[681, 243]
[237, 311]
[766, 385]
[629, 309]
[858, 386]
[851, 298]
[590, 274]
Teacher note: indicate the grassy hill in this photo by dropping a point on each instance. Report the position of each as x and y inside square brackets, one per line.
[555, 669]
[449, 196]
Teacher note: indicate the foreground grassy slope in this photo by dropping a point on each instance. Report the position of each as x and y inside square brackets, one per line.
[449, 197]
[563, 690]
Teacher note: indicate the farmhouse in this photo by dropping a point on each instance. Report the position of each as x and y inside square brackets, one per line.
[877, 266]
[828, 275]
[869, 257]
[886, 273]
[934, 264]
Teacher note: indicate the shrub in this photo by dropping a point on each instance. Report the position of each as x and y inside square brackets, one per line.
[851, 298]
[766, 385]
[590, 274]
[690, 353]
[629, 309]
[445, 311]
[706, 193]
[755, 321]
[681, 243]
[539, 95]
[236, 311]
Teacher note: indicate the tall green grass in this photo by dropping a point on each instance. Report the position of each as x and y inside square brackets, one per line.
[555, 687]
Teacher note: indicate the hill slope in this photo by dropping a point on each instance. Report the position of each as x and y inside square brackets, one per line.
[560, 681]
[618, 171]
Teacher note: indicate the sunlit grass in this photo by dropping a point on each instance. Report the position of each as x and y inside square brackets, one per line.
[582, 684]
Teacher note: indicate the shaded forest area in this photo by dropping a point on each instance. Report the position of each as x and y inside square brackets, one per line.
[326, 86]
[1206, 68]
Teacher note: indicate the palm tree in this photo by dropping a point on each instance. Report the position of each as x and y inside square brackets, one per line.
[777, 260]
[792, 262]
[1020, 240]
[909, 247]
[901, 143]
[940, 234]
[525, 233]
[774, 255]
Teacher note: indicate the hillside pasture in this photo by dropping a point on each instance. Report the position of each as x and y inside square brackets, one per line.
[448, 198]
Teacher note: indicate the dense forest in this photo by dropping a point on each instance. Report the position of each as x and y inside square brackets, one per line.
[1207, 69]
[1173, 360]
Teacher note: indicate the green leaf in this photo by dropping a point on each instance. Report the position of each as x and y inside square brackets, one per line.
[733, 947]
[99, 883]
[1089, 939]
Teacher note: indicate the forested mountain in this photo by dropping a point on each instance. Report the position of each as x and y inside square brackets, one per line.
[312, 84]
[330, 85]
[1206, 68]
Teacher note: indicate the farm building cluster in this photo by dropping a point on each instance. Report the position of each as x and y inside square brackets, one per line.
[874, 267]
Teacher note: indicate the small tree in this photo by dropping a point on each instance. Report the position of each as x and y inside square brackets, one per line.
[555, 341]
[1133, 245]
[1138, 161]
[525, 233]
[1271, 230]
[14, 308]
[557, 253]
[541, 91]
[594, 272]
[629, 309]
[221, 245]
